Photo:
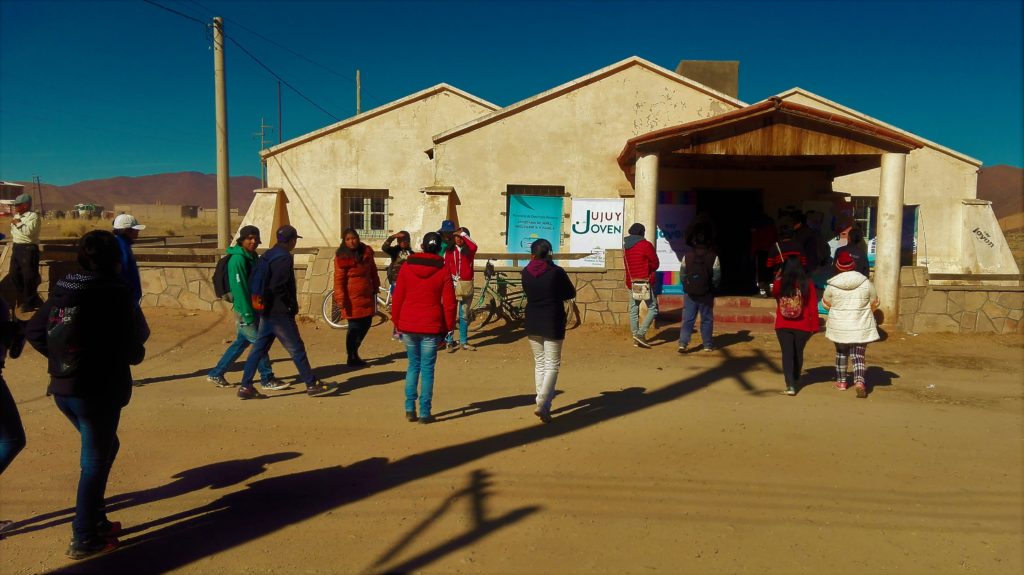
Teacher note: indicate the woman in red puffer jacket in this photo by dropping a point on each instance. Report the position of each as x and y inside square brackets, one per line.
[796, 317]
[423, 309]
[355, 290]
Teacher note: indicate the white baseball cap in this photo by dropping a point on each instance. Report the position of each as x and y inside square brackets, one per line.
[125, 221]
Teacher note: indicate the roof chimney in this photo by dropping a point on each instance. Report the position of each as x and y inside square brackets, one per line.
[721, 75]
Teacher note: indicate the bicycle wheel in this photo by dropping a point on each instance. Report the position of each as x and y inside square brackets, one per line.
[331, 312]
[383, 312]
[481, 313]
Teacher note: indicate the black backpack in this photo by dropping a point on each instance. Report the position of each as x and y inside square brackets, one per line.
[221, 288]
[697, 274]
[65, 340]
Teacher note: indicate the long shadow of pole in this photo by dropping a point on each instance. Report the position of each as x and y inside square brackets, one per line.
[271, 504]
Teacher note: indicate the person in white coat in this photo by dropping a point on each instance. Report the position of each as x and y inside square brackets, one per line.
[850, 299]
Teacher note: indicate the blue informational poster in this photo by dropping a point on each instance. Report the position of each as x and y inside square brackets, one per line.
[533, 217]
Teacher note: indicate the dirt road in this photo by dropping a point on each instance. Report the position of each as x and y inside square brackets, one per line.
[655, 462]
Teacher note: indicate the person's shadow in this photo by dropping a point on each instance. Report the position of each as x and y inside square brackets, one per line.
[477, 407]
[213, 476]
[874, 376]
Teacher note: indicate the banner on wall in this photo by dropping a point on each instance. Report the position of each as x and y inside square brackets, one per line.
[531, 218]
[672, 222]
[597, 225]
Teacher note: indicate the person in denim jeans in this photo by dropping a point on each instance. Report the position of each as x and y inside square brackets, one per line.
[423, 309]
[699, 262]
[247, 323]
[91, 332]
[280, 306]
[641, 261]
[12, 433]
[459, 260]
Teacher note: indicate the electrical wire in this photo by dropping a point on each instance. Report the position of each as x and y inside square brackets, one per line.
[173, 11]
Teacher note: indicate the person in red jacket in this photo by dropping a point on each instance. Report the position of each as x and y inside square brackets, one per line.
[459, 261]
[355, 290]
[423, 309]
[641, 261]
[796, 317]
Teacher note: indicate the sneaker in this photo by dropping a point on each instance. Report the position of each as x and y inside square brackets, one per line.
[274, 384]
[107, 528]
[410, 416]
[452, 347]
[84, 549]
[681, 350]
[862, 391]
[790, 391]
[543, 415]
[321, 389]
[708, 348]
[218, 381]
[467, 347]
[427, 419]
[639, 341]
[840, 385]
[249, 393]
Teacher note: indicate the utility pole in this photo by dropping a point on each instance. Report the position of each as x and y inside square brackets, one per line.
[39, 194]
[220, 95]
[359, 87]
[263, 144]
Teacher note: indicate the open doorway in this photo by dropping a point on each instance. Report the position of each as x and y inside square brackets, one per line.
[733, 212]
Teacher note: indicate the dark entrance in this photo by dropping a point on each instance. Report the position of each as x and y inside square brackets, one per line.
[734, 213]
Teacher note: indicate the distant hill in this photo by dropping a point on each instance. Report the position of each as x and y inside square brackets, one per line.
[185, 188]
[1004, 187]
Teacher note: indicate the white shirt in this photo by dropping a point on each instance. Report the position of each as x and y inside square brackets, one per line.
[25, 230]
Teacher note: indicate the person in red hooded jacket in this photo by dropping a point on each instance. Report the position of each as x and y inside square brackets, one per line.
[796, 317]
[641, 261]
[423, 309]
[355, 290]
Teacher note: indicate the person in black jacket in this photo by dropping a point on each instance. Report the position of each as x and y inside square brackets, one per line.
[280, 306]
[547, 287]
[91, 331]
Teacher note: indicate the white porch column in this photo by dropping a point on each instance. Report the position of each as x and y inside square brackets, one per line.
[887, 242]
[646, 187]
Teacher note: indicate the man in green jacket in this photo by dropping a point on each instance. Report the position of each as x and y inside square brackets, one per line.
[243, 257]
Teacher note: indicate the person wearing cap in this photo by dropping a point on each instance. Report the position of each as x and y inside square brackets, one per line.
[447, 231]
[398, 252]
[851, 300]
[279, 299]
[126, 230]
[25, 258]
[459, 261]
[641, 261]
[242, 256]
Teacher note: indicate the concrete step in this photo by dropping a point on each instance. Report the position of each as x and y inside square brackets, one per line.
[676, 302]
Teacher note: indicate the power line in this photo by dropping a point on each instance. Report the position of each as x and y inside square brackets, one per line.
[173, 11]
[289, 50]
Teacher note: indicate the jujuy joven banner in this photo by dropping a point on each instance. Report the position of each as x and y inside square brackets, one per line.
[597, 225]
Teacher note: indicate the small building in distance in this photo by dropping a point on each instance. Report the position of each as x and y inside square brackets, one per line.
[157, 211]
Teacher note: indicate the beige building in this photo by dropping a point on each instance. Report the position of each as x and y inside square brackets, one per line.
[649, 136]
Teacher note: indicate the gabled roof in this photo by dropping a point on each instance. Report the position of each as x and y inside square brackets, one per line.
[877, 122]
[373, 114]
[579, 83]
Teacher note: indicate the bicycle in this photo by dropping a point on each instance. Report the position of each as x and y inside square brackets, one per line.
[503, 296]
[332, 313]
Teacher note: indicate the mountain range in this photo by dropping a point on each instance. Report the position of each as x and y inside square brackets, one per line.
[184, 188]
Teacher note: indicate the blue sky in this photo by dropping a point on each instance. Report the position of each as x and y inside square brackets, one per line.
[100, 89]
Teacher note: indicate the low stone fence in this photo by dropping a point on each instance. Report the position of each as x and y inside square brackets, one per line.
[965, 306]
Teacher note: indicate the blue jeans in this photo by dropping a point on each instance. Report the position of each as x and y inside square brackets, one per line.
[96, 422]
[707, 321]
[12, 434]
[283, 328]
[634, 314]
[422, 352]
[245, 335]
[464, 305]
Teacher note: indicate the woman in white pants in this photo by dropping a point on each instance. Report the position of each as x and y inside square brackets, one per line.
[546, 286]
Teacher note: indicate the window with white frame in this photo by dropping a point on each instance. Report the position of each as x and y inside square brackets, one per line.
[366, 211]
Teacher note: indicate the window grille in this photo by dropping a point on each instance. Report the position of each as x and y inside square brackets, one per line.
[366, 211]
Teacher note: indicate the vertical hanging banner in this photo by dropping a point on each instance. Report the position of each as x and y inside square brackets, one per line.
[531, 218]
[597, 225]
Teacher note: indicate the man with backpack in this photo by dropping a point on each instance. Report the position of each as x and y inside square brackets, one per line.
[231, 281]
[701, 276]
[274, 295]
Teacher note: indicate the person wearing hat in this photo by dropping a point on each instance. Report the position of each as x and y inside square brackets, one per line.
[25, 259]
[447, 232]
[459, 261]
[242, 256]
[126, 230]
[280, 303]
[399, 248]
[851, 300]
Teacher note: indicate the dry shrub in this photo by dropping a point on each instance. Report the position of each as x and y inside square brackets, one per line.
[74, 229]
